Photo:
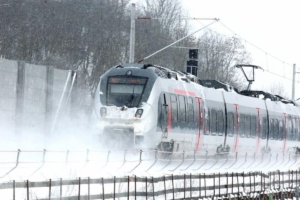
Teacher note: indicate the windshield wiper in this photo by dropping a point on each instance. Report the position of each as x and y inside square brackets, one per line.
[131, 98]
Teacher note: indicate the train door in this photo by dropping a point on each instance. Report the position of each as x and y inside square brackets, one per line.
[285, 132]
[199, 121]
[164, 113]
[236, 128]
[258, 130]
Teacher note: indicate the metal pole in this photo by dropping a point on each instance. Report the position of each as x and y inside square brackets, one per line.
[293, 84]
[132, 34]
[61, 101]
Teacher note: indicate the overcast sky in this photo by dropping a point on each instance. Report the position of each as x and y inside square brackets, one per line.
[270, 25]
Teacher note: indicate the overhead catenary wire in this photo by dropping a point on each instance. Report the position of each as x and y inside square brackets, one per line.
[145, 58]
[275, 57]
[266, 53]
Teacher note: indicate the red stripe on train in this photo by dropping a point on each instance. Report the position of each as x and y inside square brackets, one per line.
[184, 92]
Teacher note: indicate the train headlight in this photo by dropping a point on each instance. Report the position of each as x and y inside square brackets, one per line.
[139, 113]
[103, 112]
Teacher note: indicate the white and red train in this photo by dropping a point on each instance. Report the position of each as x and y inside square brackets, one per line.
[150, 106]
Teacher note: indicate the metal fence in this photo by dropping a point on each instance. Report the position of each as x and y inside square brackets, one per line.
[45, 164]
[254, 185]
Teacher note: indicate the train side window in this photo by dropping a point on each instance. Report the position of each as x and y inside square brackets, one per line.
[242, 125]
[295, 130]
[206, 121]
[276, 129]
[289, 131]
[247, 125]
[272, 128]
[181, 116]
[220, 123]
[213, 122]
[292, 130]
[264, 128]
[253, 125]
[190, 110]
[281, 130]
[230, 124]
[174, 107]
[298, 129]
[197, 110]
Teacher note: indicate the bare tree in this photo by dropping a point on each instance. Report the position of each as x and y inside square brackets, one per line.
[218, 55]
[278, 89]
[152, 35]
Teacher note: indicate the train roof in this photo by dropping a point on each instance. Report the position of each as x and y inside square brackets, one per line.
[183, 76]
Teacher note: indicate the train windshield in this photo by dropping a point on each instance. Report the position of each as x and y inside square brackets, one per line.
[125, 91]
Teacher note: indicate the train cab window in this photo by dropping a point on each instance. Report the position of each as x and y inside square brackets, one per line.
[253, 126]
[125, 91]
[220, 123]
[230, 124]
[174, 107]
[190, 110]
[181, 110]
[213, 122]
[264, 128]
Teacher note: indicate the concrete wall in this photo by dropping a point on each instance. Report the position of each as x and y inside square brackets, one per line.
[30, 96]
[8, 88]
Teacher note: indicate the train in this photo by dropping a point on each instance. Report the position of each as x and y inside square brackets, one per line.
[149, 106]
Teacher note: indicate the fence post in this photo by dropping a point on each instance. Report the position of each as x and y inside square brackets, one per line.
[191, 186]
[199, 186]
[250, 176]
[114, 192]
[103, 195]
[49, 188]
[135, 187]
[128, 188]
[146, 187]
[89, 189]
[14, 190]
[173, 186]
[219, 184]
[60, 189]
[79, 188]
[153, 187]
[27, 189]
[204, 185]
[165, 189]
[238, 183]
[227, 183]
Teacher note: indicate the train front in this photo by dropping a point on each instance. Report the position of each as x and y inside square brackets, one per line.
[122, 104]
